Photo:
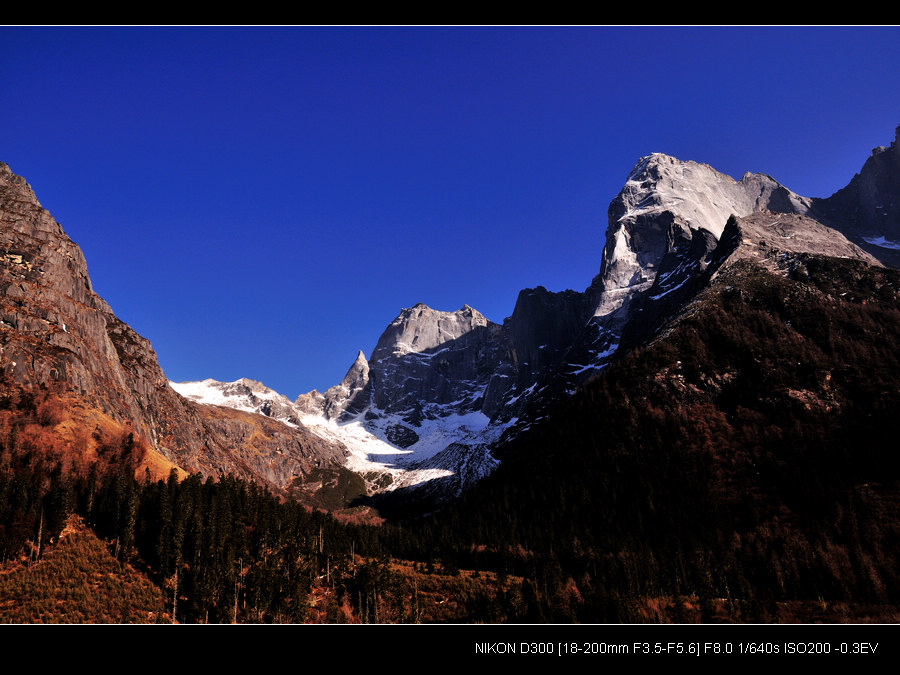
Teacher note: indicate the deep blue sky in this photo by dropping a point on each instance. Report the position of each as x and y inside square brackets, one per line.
[262, 202]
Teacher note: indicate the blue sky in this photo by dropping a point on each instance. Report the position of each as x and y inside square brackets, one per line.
[262, 202]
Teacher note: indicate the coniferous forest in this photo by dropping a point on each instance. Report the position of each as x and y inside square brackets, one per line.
[742, 467]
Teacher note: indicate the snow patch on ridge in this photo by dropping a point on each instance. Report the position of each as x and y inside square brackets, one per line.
[882, 242]
[365, 436]
[244, 394]
[372, 452]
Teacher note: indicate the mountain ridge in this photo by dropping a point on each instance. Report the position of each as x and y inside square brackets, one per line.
[56, 332]
[440, 391]
[867, 209]
[671, 228]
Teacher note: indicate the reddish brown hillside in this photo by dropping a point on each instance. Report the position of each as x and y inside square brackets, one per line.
[57, 334]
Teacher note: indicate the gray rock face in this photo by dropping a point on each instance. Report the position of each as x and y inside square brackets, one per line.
[664, 201]
[766, 237]
[401, 363]
[420, 329]
[540, 334]
[663, 226]
[427, 360]
[352, 395]
[867, 210]
[443, 386]
[542, 327]
[430, 364]
[427, 363]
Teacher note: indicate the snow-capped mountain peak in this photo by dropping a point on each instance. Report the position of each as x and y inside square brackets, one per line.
[243, 394]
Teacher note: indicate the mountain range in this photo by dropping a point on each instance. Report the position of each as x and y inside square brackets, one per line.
[441, 392]
[706, 432]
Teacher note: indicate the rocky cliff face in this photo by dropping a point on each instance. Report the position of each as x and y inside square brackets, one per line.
[54, 330]
[867, 210]
[664, 202]
[666, 218]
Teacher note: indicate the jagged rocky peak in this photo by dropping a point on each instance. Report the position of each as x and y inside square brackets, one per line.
[665, 202]
[420, 328]
[351, 396]
[247, 387]
[867, 210]
[424, 358]
[357, 376]
[358, 373]
[428, 358]
[697, 195]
